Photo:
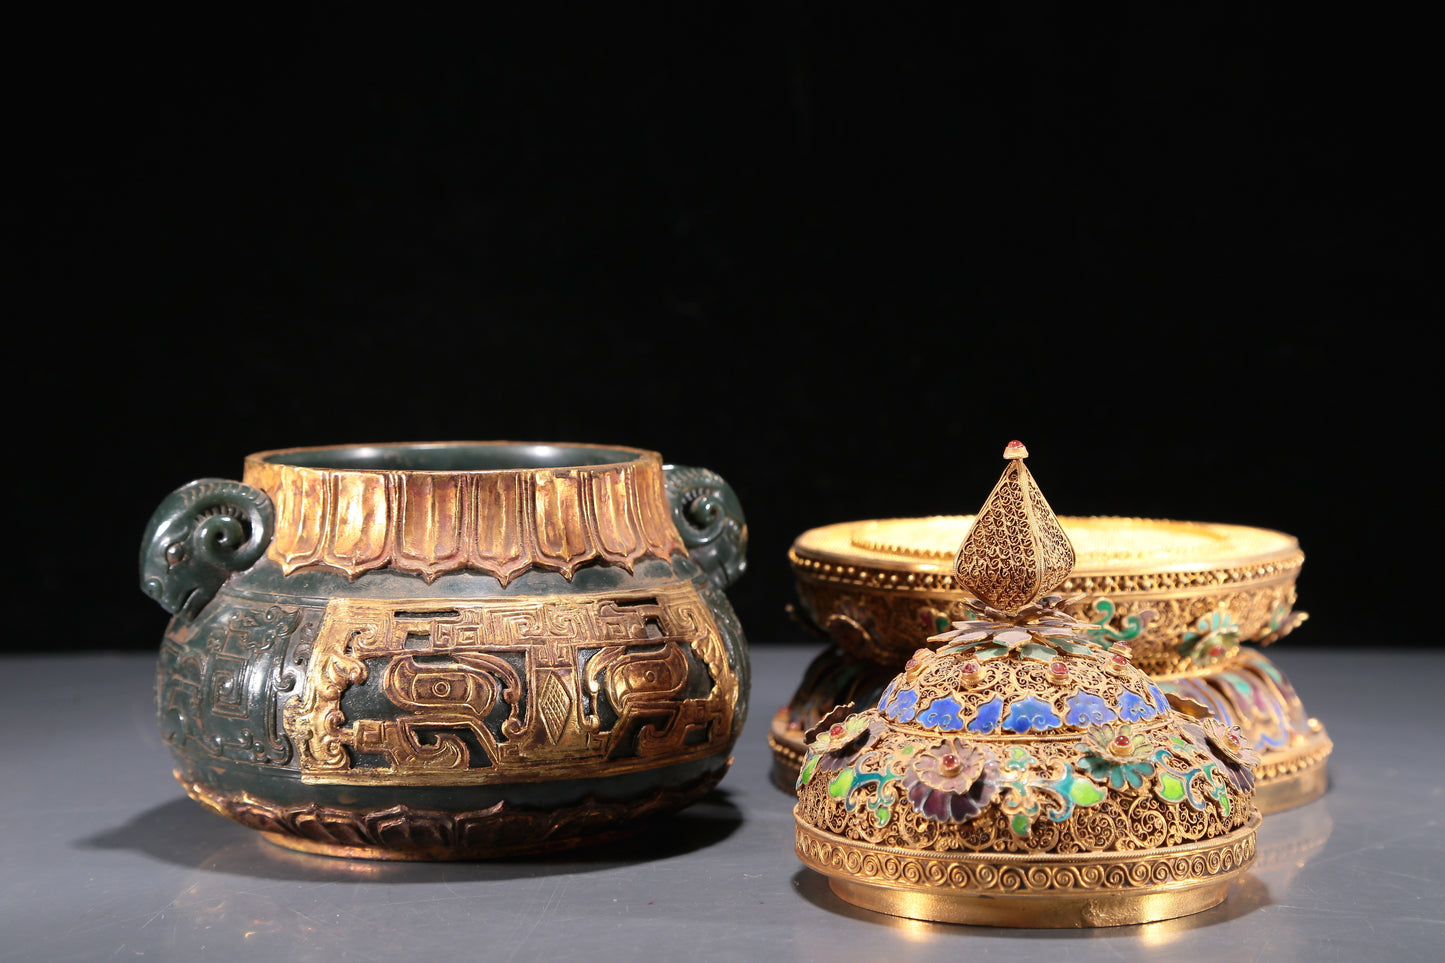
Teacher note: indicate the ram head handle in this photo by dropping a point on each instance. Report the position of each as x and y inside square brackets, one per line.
[201, 534]
[710, 520]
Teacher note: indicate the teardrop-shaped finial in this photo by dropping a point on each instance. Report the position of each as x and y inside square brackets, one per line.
[1016, 552]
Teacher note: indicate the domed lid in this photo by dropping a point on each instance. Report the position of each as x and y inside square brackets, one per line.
[1022, 774]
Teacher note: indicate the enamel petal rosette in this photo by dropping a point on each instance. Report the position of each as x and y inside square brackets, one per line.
[1023, 773]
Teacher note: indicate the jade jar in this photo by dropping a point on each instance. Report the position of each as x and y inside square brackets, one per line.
[449, 650]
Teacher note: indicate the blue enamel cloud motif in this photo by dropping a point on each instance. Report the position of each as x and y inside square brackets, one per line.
[1030, 713]
[1087, 709]
[1133, 708]
[988, 716]
[942, 714]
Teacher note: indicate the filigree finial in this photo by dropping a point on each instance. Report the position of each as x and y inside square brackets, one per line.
[1016, 552]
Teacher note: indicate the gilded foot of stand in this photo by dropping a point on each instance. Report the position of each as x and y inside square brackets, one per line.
[1294, 777]
[1048, 891]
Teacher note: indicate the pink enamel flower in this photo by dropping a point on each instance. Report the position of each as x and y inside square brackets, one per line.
[840, 737]
[951, 780]
[1228, 745]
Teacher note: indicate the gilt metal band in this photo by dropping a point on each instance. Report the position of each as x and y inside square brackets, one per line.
[501, 522]
[1036, 890]
[417, 833]
[1035, 874]
[513, 690]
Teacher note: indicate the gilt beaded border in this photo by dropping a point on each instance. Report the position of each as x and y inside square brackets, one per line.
[1139, 583]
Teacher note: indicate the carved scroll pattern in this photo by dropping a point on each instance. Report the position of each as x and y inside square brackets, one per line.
[502, 523]
[513, 690]
[219, 687]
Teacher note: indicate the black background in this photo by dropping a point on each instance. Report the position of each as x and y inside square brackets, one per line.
[839, 253]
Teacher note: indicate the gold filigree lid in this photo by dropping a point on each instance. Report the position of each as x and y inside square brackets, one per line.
[1023, 773]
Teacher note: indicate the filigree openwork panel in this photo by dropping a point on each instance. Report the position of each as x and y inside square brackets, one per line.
[1044, 796]
[415, 691]
[1015, 551]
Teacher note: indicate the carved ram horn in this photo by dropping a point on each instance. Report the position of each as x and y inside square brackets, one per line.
[710, 520]
[198, 536]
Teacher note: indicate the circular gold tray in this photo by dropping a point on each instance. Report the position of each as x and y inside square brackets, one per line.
[879, 587]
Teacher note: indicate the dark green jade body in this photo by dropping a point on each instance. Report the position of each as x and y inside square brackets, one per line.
[452, 650]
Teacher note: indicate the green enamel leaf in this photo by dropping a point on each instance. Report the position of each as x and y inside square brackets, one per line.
[1085, 793]
[1071, 647]
[1033, 650]
[882, 815]
[809, 767]
[841, 783]
[1171, 787]
[1019, 824]
[1135, 772]
[1132, 627]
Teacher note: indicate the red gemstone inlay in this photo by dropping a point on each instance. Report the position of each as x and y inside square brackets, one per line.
[971, 668]
[1121, 741]
[836, 731]
[950, 764]
[1058, 668]
[1118, 659]
[1014, 444]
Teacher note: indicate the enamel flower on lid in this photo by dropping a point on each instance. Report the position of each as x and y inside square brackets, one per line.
[1021, 773]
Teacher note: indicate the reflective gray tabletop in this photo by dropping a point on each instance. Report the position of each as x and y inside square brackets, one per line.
[102, 857]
